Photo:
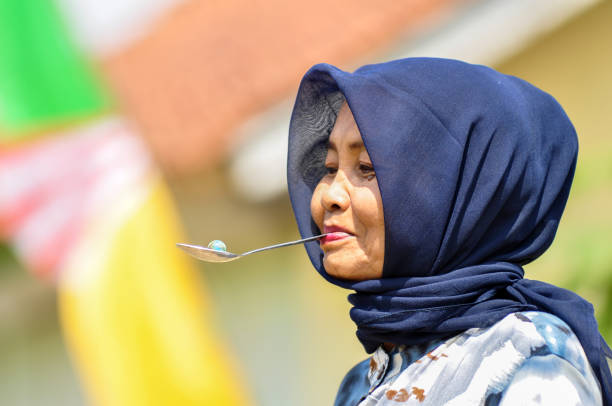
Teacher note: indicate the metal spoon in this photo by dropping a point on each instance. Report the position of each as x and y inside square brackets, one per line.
[211, 255]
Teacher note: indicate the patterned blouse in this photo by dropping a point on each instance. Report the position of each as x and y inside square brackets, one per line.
[527, 358]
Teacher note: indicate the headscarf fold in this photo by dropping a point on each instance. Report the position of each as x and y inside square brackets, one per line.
[474, 169]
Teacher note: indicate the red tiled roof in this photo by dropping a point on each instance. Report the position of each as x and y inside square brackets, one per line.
[208, 65]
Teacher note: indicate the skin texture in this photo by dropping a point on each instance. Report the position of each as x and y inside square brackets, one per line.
[348, 198]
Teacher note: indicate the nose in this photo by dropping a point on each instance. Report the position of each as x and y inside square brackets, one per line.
[337, 196]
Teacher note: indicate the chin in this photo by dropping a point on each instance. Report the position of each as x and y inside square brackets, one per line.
[342, 268]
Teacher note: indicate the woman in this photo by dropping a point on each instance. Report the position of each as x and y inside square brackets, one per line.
[438, 180]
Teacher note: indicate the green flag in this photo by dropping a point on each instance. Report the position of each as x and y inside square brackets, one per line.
[44, 80]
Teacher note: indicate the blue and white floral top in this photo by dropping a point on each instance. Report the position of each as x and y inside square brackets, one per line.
[528, 358]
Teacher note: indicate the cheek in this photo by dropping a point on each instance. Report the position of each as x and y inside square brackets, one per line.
[369, 213]
[367, 207]
[316, 209]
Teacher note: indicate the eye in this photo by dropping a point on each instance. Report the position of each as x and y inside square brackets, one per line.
[330, 169]
[367, 170]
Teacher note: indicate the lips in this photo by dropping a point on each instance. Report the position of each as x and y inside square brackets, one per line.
[335, 233]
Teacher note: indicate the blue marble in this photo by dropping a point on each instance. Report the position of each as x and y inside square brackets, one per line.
[217, 245]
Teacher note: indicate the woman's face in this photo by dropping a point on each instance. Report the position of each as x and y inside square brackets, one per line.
[347, 203]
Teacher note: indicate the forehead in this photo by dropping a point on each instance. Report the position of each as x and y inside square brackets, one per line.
[345, 133]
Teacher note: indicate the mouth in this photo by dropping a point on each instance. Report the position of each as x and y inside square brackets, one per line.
[334, 233]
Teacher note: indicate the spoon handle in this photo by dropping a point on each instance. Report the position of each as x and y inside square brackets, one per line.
[284, 244]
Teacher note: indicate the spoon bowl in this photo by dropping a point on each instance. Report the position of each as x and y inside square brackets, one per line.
[207, 254]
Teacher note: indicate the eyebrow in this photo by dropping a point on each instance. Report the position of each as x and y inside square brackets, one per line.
[352, 146]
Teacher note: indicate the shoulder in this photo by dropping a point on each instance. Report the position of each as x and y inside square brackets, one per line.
[544, 334]
[526, 356]
[556, 370]
[550, 380]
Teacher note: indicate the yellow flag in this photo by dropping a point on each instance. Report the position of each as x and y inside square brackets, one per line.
[134, 314]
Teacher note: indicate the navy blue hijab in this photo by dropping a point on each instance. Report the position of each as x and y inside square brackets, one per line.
[474, 169]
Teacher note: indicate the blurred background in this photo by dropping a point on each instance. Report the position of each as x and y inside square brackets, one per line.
[128, 126]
